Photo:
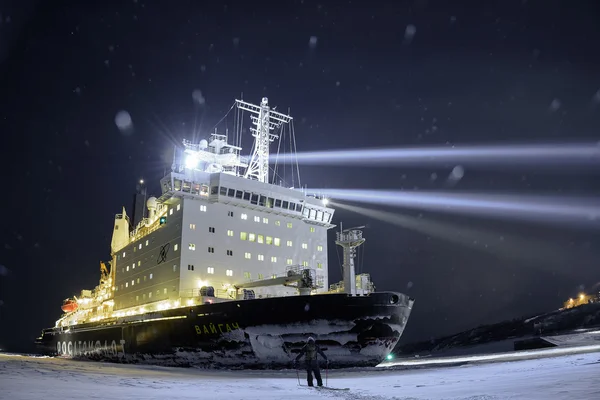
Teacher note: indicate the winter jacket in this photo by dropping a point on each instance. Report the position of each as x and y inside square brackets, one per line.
[311, 349]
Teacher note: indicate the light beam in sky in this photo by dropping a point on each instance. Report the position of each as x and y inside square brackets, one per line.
[540, 208]
[540, 254]
[559, 155]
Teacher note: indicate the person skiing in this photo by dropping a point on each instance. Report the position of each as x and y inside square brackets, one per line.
[311, 348]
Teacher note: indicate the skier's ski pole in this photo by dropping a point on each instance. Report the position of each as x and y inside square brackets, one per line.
[297, 376]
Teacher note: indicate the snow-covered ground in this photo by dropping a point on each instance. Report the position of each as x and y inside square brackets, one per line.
[573, 376]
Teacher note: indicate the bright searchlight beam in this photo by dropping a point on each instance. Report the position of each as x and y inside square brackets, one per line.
[537, 155]
[553, 209]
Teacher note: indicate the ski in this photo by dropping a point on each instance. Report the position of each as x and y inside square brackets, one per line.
[331, 388]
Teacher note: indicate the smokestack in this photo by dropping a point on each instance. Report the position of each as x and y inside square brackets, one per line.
[139, 204]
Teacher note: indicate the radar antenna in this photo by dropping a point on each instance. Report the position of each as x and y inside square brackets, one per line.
[265, 120]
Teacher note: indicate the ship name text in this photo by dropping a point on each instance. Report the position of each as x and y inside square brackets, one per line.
[81, 348]
[213, 329]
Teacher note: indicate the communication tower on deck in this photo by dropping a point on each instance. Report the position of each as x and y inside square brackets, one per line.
[265, 120]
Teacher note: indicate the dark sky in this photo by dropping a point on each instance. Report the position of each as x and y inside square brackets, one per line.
[474, 71]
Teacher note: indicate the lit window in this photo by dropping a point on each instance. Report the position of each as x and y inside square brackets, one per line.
[176, 247]
[265, 220]
[150, 276]
[289, 224]
[210, 270]
[319, 248]
[229, 252]
[256, 219]
[150, 295]
[229, 233]
[312, 228]
[132, 282]
[252, 237]
[269, 240]
[243, 235]
[247, 256]
[133, 266]
[244, 216]
[145, 278]
[165, 291]
[123, 254]
[289, 243]
[261, 239]
[192, 247]
[229, 272]
[144, 296]
[126, 284]
[137, 298]
[140, 246]
[193, 227]
[288, 261]
[211, 249]
[203, 208]
[146, 242]
[305, 263]
[139, 263]
[261, 257]
[134, 249]
[277, 223]
[128, 268]
[304, 246]
[260, 276]
[247, 275]
[138, 280]
[273, 276]
[320, 265]
[276, 241]
[174, 267]
[171, 211]
[273, 259]
[178, 207]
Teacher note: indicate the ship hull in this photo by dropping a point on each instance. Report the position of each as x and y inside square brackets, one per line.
[258, 333]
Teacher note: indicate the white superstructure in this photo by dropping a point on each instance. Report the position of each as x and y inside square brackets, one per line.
[222, 227]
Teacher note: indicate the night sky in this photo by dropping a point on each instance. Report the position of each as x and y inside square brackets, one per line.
[354, 74]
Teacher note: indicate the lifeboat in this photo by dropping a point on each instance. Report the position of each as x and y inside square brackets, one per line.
[69, 305]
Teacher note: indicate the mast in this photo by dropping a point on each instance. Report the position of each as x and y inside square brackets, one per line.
[265, 120]
[349, 240]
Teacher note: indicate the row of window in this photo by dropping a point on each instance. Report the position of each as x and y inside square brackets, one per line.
[145, 277]
[260, 257]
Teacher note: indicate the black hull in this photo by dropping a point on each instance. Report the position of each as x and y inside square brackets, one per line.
[260, 333]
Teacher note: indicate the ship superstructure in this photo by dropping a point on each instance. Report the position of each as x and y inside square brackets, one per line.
[220, 240]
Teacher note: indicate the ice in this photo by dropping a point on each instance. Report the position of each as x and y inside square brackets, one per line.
[572, 376]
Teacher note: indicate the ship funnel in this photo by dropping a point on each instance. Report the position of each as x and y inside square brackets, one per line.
[151, 204]
[120, 237]
[349, 240]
